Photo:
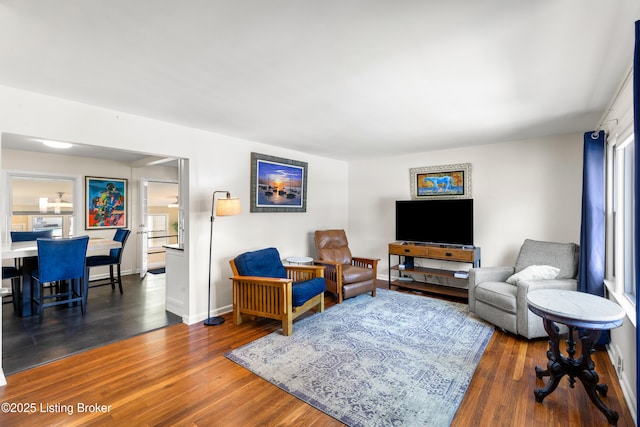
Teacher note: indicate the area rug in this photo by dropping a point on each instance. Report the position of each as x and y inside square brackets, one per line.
[393, 360]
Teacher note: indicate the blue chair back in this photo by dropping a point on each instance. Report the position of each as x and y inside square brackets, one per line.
[261, 263]
[28, 236]
[10, 273]
[62, 259]
[122, 234]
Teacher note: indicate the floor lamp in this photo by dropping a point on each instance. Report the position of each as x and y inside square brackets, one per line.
[226, 207]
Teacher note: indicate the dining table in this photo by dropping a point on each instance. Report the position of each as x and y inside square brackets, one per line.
[27, 252]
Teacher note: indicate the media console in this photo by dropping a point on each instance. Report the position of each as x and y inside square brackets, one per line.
[439, 279]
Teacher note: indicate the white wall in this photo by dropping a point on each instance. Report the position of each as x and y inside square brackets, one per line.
[521, 189]
[216, 162]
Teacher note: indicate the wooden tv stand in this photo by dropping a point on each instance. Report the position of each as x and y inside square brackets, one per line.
[409, 251]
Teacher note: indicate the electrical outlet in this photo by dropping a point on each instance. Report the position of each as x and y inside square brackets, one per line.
[620, 365]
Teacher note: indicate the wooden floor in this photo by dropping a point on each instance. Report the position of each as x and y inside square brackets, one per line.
[178, 376]
[110, 317]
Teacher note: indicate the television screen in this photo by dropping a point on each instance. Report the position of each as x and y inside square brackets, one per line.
[435, 221]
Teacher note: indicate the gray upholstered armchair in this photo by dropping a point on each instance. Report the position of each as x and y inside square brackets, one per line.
[540, 265]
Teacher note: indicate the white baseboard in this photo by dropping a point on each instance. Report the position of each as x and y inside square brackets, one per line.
[105, 275]
[192, 320]
[628, 389]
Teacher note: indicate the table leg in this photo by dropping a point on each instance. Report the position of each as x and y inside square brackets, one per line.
[25, 304]
[582, 368]
[556, 366]
[589, 377]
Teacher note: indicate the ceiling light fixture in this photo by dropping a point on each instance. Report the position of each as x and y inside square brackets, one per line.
[59, 203]
[56, 144]
[175, 204]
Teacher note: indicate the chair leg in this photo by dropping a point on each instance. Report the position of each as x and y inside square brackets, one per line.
[40, 300]
[287, 325]
[113, 282]
[85, 285]
[80, 285]
[15, 292]
[119, 279]
[237, 316]
[320, 306]
[36, 300]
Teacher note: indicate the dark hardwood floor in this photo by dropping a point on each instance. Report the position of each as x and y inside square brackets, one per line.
[179, 376]
[64, 331]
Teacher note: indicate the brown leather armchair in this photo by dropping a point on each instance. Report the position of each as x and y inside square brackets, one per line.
[345, 275]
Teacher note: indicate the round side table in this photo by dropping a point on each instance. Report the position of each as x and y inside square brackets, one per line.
[590, 315]
[299, 260]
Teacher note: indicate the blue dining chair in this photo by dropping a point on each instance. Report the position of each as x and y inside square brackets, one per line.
[114, 258]
[58, 260]
[28, 236]
[15, 273]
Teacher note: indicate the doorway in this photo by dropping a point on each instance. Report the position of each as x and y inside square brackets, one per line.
[161, 222]
[22, 155]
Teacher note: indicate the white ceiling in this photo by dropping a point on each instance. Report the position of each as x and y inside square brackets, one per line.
[338, 78]
[26, 143]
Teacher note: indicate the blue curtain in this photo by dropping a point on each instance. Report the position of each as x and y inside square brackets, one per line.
[591, 268]
[636, 168]
[592, 227]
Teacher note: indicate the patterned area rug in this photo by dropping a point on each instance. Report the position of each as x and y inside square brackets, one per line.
[393, 360]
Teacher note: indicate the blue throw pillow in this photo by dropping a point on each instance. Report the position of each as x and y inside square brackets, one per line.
[261, 263]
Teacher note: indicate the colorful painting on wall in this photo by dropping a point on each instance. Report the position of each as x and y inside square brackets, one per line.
[105, 203]
[441, 182]
[277, 184]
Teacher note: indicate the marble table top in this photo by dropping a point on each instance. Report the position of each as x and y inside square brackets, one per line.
[299, 259]
[30, 248]
[575, 308]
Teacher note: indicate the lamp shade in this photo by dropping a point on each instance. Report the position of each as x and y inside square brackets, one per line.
[229, 206]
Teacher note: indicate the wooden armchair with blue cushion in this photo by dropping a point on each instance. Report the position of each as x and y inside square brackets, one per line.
[263, 287]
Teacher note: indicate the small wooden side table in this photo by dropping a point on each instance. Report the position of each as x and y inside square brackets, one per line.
[590, 314]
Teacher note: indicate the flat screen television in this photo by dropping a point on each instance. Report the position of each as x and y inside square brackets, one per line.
[446, 222]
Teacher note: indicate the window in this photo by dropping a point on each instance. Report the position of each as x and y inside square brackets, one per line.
[40, 202]
[158, 230]
[620, 216]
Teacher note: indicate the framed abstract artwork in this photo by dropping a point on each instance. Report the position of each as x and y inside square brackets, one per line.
[441, 182]
[277, 184]
[105, 203]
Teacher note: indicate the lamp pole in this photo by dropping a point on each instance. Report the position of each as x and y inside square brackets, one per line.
[216, 320]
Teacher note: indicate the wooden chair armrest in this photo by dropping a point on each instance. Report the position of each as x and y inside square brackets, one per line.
[333, 269]
[370, 262]
[261, 280]
[296, 271]
[304, 267]
[326, 263]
